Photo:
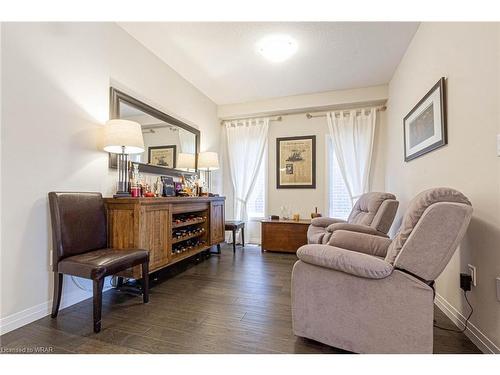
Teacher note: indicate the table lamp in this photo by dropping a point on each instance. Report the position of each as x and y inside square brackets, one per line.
[185, 161]
[208, 161]
[123, 137]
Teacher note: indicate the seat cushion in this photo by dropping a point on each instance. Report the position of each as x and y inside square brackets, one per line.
[317, 233]
[234, 224]
[359, 228]
[360, 242]
[351, 262]
[99, 263]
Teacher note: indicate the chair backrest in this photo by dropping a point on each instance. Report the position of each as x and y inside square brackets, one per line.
[376, 210]
[78, 224]
[432, 229]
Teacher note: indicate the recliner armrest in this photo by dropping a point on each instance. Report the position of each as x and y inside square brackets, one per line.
[360, 242]
[353, 263]
[355, 228]
[324, 222]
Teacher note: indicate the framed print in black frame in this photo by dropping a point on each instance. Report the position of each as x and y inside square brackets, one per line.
[162, 155]
[424, 127]
[296, 162]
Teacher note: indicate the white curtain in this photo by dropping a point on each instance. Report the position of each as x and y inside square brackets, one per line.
[186, 141]
[246, 141]
[352, 134]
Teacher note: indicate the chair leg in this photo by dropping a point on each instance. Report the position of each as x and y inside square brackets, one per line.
[119, 281]
[145, 282]
[58, 281]
[234, 241]
[97, 289]
[218, 248]
[243, 237]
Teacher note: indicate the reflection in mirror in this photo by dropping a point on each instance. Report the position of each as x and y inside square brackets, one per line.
[165, 144]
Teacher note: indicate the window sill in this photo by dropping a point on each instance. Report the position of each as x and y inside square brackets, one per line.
[256, 218]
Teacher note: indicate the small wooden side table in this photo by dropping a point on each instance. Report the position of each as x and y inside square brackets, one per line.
[284, 235]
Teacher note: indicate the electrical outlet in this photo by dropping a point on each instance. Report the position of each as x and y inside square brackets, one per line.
[498, 288]
[473, 274]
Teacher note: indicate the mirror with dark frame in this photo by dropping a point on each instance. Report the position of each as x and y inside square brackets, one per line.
[171, 146]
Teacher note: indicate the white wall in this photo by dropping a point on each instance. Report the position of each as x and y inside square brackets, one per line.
[303, 201]
[55, 84]
[306, 102]
[468, 55]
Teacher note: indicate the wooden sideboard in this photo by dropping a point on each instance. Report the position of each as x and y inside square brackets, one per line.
[284, 235]
[155, 224]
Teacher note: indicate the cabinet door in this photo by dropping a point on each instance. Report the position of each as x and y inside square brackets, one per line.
[283, 236]
[123, 222]
[216, 222]
[155, 234]
[123, 231]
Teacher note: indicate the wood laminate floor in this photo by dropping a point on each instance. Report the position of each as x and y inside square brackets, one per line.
[223, 304]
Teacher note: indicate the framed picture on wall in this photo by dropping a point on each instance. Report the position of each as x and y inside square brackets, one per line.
[425, 126]
[296, 162]
[162, 155]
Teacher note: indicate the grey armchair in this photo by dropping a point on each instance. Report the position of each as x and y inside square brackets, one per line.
[373, 213]
[375, 295]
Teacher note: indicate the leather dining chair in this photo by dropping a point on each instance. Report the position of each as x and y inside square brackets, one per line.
[80, 247]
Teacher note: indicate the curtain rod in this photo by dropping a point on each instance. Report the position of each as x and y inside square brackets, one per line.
[309, 115]
[273, 118]
[358, 111]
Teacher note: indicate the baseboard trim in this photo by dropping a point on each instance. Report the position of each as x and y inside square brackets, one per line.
[29, 315]
[472, 332]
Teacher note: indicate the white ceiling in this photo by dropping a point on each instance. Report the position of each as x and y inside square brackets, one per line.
[221, 60]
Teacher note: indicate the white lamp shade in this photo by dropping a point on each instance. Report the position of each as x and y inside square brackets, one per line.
[123, 135]
[208, 161]
[185, 161]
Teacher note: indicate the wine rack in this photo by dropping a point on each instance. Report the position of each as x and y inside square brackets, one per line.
[182, 220]
[189, 233]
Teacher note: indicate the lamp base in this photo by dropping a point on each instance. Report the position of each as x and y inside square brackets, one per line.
[122, 194]
[123, 176]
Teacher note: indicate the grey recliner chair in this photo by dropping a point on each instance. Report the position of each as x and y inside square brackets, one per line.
[368, 294]
[373, 213]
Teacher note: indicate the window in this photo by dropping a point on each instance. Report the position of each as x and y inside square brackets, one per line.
[256, 204]
[339, 202]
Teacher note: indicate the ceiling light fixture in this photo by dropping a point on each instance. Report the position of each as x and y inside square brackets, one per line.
[277, 48]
